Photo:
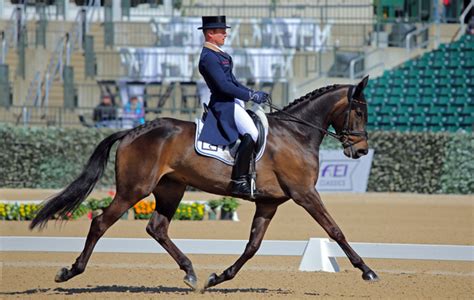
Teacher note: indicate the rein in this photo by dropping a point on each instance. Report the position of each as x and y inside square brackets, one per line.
[343, 137]
[325, 131]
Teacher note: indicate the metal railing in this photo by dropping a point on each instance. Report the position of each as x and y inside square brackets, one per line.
[462, 19]
[413, 38]
[174, 65]
[352, 65]
[82, 117]
[70, 42]
[302, 35]
[10, 36]
[344, 13]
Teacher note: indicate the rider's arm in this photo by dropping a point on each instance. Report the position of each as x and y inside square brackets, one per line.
[222, 82]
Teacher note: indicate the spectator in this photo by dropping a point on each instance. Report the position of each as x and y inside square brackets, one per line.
[470, 26]
[105, 114]
[133, 113]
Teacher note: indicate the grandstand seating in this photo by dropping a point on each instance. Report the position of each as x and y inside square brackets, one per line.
[434, 92]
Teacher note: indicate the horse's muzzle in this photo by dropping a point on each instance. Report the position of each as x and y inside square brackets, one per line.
[355, 151]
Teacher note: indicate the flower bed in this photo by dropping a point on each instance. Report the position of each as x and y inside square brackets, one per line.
[27, 211]
[143, 210]
[185, 211]
[17, 211]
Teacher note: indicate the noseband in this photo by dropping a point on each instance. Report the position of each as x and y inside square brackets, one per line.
[343, 136]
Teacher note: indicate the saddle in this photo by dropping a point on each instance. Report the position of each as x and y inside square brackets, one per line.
[226, 154]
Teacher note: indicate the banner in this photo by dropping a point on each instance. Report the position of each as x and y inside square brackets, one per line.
[338, 173]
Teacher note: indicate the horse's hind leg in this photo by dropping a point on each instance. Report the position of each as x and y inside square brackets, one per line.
[261, 220]
[168, 194]
[98, 227]
[314, 206]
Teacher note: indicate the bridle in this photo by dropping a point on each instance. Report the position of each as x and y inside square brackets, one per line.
[343, 136]
[345, 133]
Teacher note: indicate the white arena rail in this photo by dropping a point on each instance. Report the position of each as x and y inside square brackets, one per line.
[318, 254]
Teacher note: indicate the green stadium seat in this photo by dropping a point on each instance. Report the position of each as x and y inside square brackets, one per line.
[469, 62]
[388, 110]
[436, 120]
[419, 120]
[467, 110]
[427, 91]
[411, 100]
[427, 100]
[381, 119]
[454, 110]
[375, 101]
[402, 120]
[444, 72]
[405, 109]
[380, 91]
[469, 120]
[446, 91]
[460, 81]
[420, 110]
[453, 128]
[382, 81]
[371, 110]
[437, 128]
[454, 120]
[413, 90]
[387, 127]
[437, 109]
[403, 128]
[461, 100]
[462, 73]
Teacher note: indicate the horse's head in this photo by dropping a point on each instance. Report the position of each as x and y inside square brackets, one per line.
[350, 119]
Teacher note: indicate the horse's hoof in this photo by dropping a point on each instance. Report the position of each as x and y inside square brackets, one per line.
[191, 281]
[370, 276]
[211, 281]
[61, 275]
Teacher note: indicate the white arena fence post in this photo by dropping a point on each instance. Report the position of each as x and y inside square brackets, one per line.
[316, 257]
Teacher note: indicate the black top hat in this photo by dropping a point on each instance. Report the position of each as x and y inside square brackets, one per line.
[213, 22]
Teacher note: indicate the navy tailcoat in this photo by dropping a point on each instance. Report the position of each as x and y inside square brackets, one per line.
[216, 68]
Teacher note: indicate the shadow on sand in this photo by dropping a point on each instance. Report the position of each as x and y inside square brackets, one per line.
[142, 289]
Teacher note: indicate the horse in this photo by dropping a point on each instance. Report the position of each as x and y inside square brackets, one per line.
[158, 157]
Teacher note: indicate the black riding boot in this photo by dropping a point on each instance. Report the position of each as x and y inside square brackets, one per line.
[240, 185]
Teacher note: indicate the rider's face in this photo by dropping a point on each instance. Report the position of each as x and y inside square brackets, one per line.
[218, 36]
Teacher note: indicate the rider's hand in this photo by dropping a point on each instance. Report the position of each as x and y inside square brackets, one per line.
[259, 97]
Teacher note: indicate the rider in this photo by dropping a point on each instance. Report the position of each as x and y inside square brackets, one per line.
[227, 119]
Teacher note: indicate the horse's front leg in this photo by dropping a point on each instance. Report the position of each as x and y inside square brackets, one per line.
[314, 206]
[261, 220]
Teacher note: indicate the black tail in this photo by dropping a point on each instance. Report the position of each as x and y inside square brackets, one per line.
[77, 191]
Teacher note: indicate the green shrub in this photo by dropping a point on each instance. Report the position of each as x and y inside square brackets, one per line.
[403, 162]
[229, 204]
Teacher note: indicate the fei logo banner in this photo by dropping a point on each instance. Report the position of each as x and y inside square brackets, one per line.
[338, 173]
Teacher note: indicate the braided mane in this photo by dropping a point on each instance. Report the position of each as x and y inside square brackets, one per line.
[312, 95]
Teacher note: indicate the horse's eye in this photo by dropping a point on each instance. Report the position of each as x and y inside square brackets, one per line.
[359, 113]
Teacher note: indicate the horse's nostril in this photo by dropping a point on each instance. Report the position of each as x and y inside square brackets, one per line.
[362, 151]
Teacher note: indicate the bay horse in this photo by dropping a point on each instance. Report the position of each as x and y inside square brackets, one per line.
[158, 157]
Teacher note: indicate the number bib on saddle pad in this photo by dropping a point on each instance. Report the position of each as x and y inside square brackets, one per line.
[222, 153]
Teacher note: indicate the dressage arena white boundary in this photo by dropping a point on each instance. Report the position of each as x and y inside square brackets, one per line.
[318, 254]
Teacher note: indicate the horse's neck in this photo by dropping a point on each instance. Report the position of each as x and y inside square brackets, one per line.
[314, 111]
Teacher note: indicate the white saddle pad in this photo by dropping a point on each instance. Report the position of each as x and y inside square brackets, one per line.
[222, 153]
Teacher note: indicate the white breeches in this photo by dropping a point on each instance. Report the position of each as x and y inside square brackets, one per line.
[243, 121]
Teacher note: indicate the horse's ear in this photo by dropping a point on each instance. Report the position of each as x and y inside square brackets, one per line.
[361, 86]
